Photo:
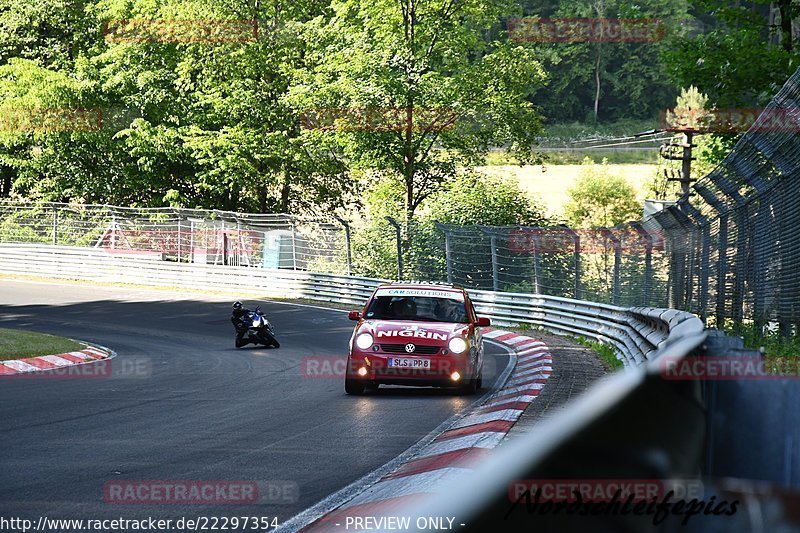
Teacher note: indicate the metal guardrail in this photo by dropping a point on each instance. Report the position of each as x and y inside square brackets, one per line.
[609, 433]
[637, 334]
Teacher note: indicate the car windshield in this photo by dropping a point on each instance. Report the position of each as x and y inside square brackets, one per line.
[425, 308]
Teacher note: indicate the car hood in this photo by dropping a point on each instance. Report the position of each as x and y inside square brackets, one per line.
[423, 332]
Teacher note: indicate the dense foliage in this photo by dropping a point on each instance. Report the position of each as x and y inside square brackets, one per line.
[93, 115]
[599, 199]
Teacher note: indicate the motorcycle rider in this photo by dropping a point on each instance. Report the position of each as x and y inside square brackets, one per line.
[241, 321]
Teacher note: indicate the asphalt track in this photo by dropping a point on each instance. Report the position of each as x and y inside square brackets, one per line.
[183, 404]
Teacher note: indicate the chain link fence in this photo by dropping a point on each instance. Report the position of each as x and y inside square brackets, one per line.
[625, 266]
[185, 235]
[734, 241]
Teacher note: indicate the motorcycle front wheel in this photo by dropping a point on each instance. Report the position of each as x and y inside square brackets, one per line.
[269, 340]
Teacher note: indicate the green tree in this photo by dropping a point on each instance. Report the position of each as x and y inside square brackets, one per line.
[203, 124]
[474, 198]
[600, 199]
[52, 33]
[415, 56]
[469, 199]
[607, 81]
[744, 55]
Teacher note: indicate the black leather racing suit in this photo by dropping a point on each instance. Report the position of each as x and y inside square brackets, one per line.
[241, 321]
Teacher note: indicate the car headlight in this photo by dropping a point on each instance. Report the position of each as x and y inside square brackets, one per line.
[457, 345]
[364, 341]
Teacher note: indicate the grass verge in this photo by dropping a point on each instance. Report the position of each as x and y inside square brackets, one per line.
[606, 354]
[775, 345]
[17, 344]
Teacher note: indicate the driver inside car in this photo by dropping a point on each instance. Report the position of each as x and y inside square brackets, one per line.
[448, 311]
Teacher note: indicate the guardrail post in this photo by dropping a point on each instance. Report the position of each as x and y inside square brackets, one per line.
[704, 235]
[180, 248]
[617, 262]
[55, 225]
[740, 268]
[191, 240]
[113, 231]
[294, 246]
[448, 256]
[495, 269]
[689, 218]
[722, 267]
[677, 249]
[687, 256]
[576, 259]
[648, 261]
[722, 249]
[615, 289]
[537, 263]
[705, 263]
[760, 231]
[576, 256]
[394, 223]
[344, 223]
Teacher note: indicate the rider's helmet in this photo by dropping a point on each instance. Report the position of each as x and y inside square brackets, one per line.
[237, 306]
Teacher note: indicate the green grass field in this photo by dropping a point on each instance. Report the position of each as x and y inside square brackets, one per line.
[549, 184]
[17, 344]
[550, 188]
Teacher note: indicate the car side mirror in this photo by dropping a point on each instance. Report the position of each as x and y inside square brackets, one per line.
[483, 322]
[354, 315]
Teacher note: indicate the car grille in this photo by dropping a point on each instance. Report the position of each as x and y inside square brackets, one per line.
[418, 350]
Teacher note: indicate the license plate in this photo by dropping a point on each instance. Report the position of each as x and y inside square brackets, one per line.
[402, 362]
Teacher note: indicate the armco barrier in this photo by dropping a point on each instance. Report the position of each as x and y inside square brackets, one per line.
[636, 333]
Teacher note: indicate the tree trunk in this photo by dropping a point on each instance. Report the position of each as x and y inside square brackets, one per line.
[5, 185]
[785, 7]
[283, 204]
[597, 84]
[262, 198]
[234, 197]
[600, 8]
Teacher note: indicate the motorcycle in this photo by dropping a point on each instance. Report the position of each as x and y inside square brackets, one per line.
[259, 331]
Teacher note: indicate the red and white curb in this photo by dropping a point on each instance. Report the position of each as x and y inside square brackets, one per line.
[454, 451]
[90, 354]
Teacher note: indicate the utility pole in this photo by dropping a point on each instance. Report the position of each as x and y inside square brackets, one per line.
[671, 151]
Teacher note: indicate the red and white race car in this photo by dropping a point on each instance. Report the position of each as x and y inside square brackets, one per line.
[416, 334]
